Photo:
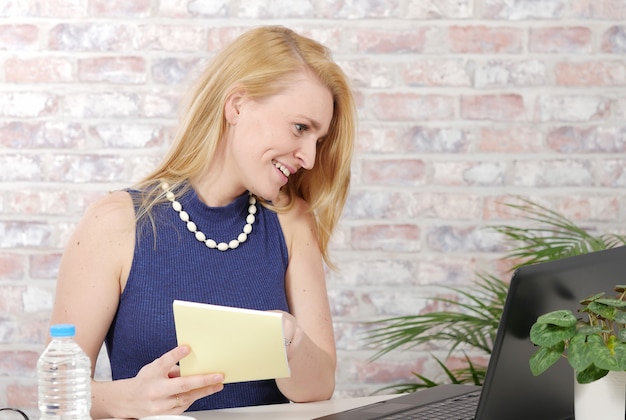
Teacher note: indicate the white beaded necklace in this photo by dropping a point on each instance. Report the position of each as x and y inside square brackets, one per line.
[210, 243]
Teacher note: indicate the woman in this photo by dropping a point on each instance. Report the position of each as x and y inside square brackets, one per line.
[260, 166]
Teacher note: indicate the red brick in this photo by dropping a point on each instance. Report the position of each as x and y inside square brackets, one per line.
[435, 9]
[504, 73]
[445, 206]
[394, 172]
[21, 167]
[369, 73]
[436, 72]
[521, 10]
[614, 40]
[23, 135]
[19, 363]
[120, 8]
[11, 300]
[19, 37]
[25, 234]
[121, 70]
[586, 208]
[38, 70]
[12, 266]
[510, 139]
[483, 39]
[22, 396]
[142, 136]
[98, 104]
[497, 107]
[483, 173]
[613, 173]
[175, 71]
[410, 107]
[161, 105]
[33, 202]
[422, 139]
[470, 238]
[90, 37]
[27, 104]
[561, 40]
[571, 108]
[553, 173]
[373, 40]
[87, 168]
[595, 139]
[171, 38]
[598, 9]
[591, 73]
[44, 266]
[357, 10]
[343, 302]
[396, 238]
[444, 271]
[49, 8]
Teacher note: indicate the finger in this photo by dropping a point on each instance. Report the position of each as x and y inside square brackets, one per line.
[174, 372]
[169, 360]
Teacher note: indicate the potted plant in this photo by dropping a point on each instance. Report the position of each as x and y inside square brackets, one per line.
[469, 322]
[595, 348]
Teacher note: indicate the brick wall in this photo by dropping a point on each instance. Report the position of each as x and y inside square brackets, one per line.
[461, 103]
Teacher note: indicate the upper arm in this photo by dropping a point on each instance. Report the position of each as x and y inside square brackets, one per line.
[94, 265]
[305, 280]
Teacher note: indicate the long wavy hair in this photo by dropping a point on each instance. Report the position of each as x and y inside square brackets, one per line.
[260, 61]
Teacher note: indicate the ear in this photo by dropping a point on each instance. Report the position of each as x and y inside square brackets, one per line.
[232, 106]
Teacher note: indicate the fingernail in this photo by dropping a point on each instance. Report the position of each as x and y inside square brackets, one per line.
[217, 378]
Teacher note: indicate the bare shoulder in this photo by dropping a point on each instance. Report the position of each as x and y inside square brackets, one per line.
[298, 224]
[113, 213]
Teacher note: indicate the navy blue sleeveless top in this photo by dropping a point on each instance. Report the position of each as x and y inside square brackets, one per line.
[174, 265]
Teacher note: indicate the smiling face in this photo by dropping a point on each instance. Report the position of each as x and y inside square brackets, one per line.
[271, 138]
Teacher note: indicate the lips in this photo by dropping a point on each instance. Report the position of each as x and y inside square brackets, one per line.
[282, 168]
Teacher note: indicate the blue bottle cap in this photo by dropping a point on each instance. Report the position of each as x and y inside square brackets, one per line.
[62, 330]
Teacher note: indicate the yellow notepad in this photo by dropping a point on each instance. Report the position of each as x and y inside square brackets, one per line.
[243, 344]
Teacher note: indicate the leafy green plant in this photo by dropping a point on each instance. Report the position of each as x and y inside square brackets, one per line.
[471, 327]
[592, 348]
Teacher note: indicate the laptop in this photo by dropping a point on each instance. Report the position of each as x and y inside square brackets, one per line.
[510, 391]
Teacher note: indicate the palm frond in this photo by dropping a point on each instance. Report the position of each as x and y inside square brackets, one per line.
[473, 321]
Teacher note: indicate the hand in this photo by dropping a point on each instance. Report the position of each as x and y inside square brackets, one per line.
[159, 389]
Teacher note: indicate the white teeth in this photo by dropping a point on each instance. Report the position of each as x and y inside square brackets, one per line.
[282, 169]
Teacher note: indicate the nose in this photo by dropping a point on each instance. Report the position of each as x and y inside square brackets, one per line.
[306, 153]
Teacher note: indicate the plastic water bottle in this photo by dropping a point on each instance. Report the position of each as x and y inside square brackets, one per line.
[64, 377]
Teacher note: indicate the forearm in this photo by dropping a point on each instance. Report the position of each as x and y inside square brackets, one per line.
[104, 398]
[312, 371]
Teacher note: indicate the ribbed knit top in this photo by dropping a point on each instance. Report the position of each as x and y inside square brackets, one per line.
[174, 265]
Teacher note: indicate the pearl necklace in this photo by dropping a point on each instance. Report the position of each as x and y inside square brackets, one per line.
[210, 243]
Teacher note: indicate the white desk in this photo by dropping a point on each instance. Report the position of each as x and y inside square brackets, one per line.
[294, 411]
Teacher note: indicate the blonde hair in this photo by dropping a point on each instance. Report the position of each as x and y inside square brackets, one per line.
[260, 61]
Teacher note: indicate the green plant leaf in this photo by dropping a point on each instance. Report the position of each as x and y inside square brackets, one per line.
[591, 374]
[561, 318]
[621, 335]
[606, 358]
[580, 350]
[548, 335]
[545, 357]
[620, 318]
[602, 310]
[614, 303]
[586, 301]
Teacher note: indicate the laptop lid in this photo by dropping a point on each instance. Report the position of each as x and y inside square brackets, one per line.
[510, 390]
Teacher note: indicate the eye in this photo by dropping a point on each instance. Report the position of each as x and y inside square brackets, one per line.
[300, 128]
